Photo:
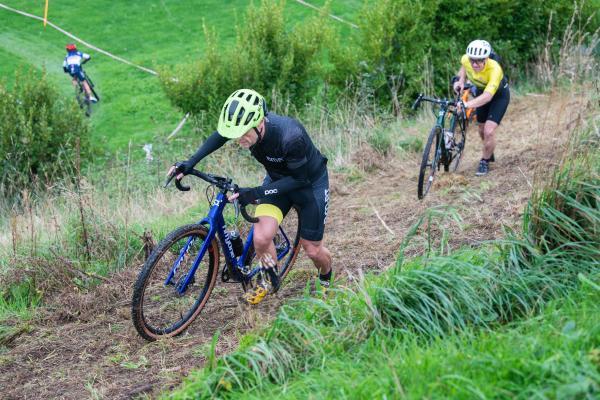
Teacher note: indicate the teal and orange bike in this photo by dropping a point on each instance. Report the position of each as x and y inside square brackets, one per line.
[446, 142]
[180, 274]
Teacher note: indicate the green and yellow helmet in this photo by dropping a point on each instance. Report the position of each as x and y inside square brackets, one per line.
[242, 111]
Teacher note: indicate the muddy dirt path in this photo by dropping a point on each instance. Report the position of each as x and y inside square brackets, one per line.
[84, 345]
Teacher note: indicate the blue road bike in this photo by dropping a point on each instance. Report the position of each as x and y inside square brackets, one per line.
[179, 275]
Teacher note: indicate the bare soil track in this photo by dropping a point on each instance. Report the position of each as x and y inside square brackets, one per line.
[83, 345]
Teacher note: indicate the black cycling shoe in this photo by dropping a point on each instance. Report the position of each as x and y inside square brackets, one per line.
[483, 169]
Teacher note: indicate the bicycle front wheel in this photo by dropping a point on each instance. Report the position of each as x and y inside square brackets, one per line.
[429, 163]
[165, 299]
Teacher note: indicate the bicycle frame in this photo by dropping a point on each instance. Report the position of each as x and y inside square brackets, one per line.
[441, 122]
[216, 226]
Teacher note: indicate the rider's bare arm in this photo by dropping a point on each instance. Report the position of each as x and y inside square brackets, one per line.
[479, 101]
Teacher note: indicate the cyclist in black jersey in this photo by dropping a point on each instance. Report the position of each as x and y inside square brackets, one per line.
[296, 175]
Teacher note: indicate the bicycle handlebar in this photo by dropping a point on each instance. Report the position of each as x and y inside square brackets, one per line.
[219, 181]
[442, 102]
[445, 103]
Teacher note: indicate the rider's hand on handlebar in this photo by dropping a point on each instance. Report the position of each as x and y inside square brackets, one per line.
[245, 196]
[458, 87]
[181, 169]
[232, 197]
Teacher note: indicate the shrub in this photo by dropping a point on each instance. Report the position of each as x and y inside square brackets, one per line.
[265, 57]
[39, 132]
[406, 47]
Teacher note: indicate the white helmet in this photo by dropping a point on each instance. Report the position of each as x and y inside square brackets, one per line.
[479, 49]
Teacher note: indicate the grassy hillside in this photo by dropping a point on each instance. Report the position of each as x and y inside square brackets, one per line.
[553, 355]
[150, 34]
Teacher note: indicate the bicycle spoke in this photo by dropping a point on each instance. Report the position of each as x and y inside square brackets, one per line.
[159, 307]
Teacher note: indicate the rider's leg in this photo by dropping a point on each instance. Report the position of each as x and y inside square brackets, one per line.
[264, 232]
[489, 139]
[319, 255]
[74, 82]
[87, 89]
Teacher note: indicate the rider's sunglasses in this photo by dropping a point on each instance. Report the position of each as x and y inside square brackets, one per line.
[478, 62]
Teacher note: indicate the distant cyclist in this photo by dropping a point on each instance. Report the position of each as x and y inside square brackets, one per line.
[492, 96]
[296, 175]
[73, 66]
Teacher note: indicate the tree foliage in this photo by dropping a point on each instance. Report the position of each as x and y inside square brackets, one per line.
[265, 57]
[401, 47]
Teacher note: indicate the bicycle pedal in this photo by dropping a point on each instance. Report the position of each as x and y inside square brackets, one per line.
[257, 295]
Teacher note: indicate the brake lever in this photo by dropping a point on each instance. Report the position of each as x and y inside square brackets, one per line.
[168, 181]
[417, 102]
[236, 206]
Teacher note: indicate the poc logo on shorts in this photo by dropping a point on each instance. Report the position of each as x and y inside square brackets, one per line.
[326, 205]
[272, 191]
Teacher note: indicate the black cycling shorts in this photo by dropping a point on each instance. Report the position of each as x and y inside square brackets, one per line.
[312, 202]
[495, 109]
[80, 76]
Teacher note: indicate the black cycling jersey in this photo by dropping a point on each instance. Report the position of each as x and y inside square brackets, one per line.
[286, 151]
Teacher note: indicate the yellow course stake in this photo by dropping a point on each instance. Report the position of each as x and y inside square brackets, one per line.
[46, 13]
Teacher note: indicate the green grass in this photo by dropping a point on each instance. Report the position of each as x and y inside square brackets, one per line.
[555, 354]
[17, 307]
[152, 34]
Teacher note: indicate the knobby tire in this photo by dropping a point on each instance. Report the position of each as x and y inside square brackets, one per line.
[460, 141]
[149, 291]
[428, 163]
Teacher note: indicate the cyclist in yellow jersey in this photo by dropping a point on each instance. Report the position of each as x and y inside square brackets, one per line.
[492, 96]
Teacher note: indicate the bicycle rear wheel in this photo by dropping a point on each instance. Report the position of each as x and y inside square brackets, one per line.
[84, 102]
[429, 163]
[287, 246]
[163, 309]
[92, 88]
[460, 140]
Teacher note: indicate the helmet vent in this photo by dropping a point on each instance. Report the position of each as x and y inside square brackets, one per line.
[231, 110]
[249, 118]
[239, 116]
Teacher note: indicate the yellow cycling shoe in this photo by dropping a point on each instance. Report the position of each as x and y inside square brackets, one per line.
[257, 295]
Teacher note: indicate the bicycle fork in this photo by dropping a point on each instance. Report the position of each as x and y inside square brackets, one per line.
[182, 284]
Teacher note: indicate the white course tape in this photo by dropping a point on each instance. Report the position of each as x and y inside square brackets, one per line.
[331, 15]
[148, 70]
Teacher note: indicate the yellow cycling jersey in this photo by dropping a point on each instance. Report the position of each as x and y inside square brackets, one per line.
[488, 79]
